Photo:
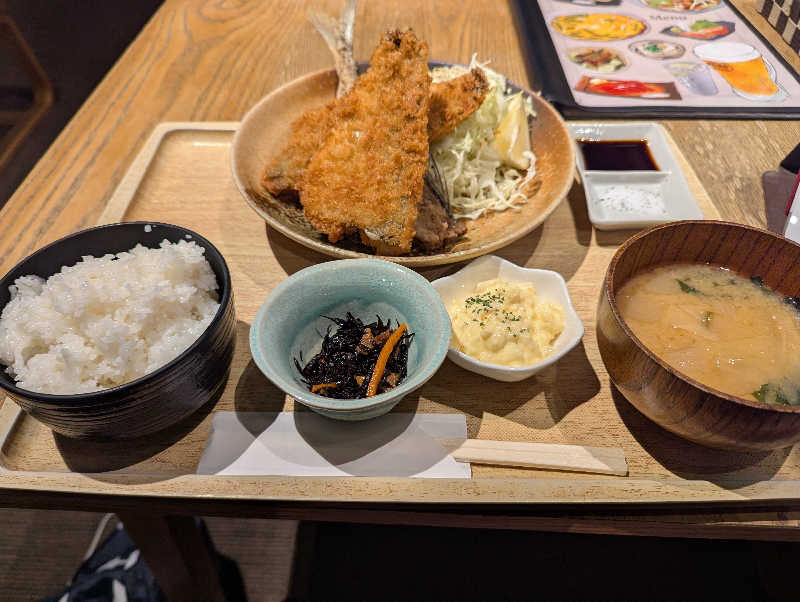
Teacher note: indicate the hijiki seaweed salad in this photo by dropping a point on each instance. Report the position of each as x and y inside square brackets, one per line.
[358, 360]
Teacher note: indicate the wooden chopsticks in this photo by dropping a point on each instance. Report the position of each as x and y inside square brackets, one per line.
[553, 456]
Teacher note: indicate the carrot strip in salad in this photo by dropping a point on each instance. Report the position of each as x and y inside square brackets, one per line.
[320, 386]
[380, 365]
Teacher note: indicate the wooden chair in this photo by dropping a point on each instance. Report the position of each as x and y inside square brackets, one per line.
[22, 121]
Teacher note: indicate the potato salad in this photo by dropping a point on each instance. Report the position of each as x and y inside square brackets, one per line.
[505, 323]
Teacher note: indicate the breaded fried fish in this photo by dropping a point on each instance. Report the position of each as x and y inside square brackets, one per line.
[451, 103]
[368, 175]
[285, 172]
[455, 100]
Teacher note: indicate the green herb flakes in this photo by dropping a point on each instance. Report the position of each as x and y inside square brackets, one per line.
[687, 288]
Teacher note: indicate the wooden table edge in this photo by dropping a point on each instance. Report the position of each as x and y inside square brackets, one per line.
[645, 522]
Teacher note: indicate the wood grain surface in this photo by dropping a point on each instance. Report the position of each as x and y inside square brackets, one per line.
[680, 404]
[209, 61]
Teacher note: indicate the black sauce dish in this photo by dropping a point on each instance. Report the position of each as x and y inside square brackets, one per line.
[158, 399]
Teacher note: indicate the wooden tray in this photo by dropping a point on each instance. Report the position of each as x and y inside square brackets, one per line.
[182, 176]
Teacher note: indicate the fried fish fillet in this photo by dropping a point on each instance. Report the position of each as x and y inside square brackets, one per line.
[451, 103]
[454, 100]
[310, 130]
[285, 172]
[368, 175]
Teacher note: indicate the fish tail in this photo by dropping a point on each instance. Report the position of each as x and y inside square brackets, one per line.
[338, 35]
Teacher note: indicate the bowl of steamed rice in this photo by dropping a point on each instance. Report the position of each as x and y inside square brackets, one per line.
[117, 331]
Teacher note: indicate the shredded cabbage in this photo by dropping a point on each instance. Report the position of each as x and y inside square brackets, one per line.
[477, 180]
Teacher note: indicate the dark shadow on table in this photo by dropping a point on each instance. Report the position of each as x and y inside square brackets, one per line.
[255, 392]
[561, 243]
[98, 457]
[568, 383]
[728, 469]
[341, 442]
[613, 238]
[258, 403]
[576, 198]
[777, 186]
[291, 255]
[456, 388]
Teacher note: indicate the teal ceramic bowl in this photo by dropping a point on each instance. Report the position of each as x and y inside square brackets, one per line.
[291, 322]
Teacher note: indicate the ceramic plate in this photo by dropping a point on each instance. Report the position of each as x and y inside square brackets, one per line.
[291, 324]
[266, 126]
[669, 181]
[550, 286]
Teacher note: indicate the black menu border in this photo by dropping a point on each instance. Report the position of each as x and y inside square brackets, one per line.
[545, 68]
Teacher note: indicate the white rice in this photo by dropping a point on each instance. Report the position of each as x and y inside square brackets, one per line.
[106, 321]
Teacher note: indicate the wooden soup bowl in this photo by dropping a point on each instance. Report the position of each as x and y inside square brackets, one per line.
[674, 401]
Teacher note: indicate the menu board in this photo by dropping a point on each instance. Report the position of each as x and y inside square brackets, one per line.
[659, 58]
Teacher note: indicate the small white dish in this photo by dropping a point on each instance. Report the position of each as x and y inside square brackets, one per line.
[550, 286]
[677, 206]
[679, 202]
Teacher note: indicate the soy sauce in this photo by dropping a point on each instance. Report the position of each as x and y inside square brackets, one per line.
[617, 155]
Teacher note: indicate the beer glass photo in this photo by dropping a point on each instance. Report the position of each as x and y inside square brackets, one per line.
[744, 68]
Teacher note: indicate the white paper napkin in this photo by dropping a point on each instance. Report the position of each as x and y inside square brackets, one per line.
[307, 444]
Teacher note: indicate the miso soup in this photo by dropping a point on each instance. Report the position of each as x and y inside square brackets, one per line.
[728, 332]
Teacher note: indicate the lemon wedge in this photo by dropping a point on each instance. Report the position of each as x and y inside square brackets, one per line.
[512, 138]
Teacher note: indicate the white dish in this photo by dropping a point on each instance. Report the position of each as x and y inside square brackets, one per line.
[679, 202]
[550, 286]
[791, 227]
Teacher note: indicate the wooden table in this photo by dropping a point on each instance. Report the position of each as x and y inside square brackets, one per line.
[209, 61]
